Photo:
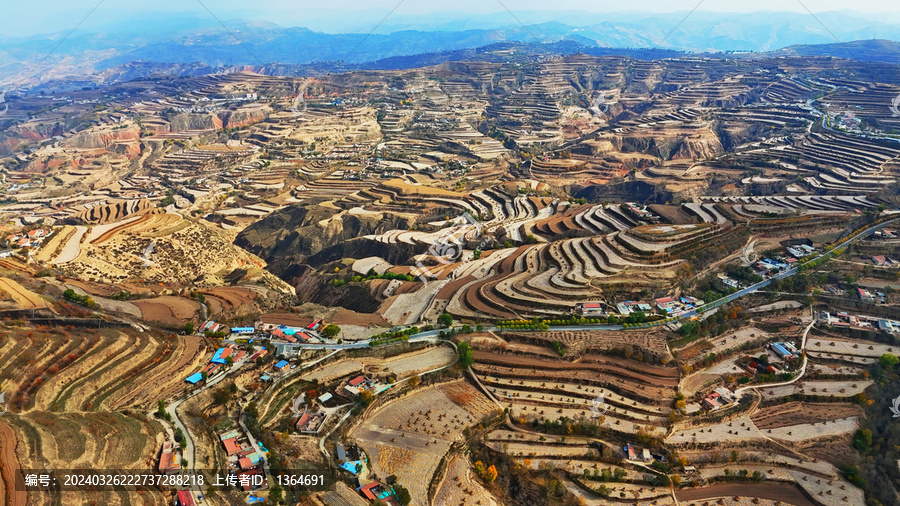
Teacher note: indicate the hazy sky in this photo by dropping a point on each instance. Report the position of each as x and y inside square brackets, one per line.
[23, 18]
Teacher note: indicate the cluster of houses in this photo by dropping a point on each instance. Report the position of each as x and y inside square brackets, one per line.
[285, 338]
[628, 307]
[30, 239]
[869, 296]
[245, 460]
[639, 212]
[220, 358]
[754, 367]
[718, 398]
[769, 267]
[844, 319]
[669, 306]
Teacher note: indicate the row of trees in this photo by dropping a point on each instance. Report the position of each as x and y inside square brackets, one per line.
[84, 300]
[393, 337]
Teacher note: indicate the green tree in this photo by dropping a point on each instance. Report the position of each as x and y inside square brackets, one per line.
[445, 319]
[275, 494]
[402, 494]
[862, 441]
[465, 355]
[365, 398]
[888, 361]
[189, 328]
[331, 331]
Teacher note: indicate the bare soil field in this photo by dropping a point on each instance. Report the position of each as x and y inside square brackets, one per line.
[794, 413]
[814, 431]
[461, 488]
[829, 492]
[691, 384]
[168, 310]
[232, 296]
[855, 348]
[844, 388]
[408, 436]
[416, 362]
[582, 340]
[645, 373]
[738, 429]
[168, 380]
[289, 319]
[334, 370]
[348, 317]
[15, 265]
[8, 466]
[23, 297]
[94, 289]
[49, 248]
[72, 247]
[783, 492]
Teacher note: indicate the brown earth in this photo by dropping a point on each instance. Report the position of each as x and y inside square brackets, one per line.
[348, 317]
[23, 297]
[8, 466]
[794, 413]
[784, 492]
[168, 310]
[659, 376]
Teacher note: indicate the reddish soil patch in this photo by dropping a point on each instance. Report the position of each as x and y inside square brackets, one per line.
[157, 312]
[289, 319]
[452, 287]
[784, 492]
[8, 466]
[168, 310]
[407, 287]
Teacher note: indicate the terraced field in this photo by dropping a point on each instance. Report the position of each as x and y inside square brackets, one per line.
[628, 395]
[81, 389]
[549, 278]
[408, 437]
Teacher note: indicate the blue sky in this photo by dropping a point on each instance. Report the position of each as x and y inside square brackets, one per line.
[24, 19]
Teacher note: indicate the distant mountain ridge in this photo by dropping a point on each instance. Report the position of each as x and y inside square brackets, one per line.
[198, 44]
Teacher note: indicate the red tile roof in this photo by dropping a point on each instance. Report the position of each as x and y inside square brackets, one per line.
[231, 446]
[185, 498]
[367, 490]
